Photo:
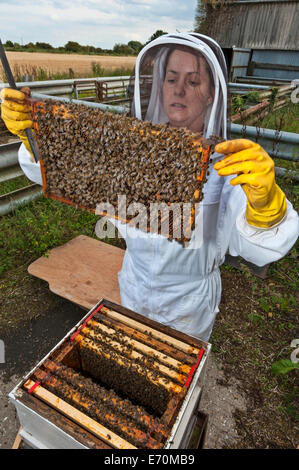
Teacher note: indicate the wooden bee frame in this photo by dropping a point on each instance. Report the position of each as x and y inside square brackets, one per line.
[89, 157]
[62, 390]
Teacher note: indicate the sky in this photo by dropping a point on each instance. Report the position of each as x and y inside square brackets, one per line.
[99, 23]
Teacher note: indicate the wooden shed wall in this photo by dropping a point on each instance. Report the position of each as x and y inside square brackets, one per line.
[257, 24]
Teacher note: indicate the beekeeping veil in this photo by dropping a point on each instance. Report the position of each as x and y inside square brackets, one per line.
[147, 80]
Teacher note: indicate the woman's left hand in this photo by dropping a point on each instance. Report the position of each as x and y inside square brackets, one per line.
[266, 202]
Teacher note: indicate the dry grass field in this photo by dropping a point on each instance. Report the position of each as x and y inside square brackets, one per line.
[60, 63]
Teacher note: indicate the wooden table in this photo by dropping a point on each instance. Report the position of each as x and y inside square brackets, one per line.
[83, 271]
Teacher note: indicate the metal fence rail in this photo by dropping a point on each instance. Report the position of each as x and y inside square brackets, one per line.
[9, 155]
[10, 201]
[284, 145]
[69, 88]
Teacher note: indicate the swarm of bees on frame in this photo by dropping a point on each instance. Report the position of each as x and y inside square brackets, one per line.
[103, 405]
[90, 156]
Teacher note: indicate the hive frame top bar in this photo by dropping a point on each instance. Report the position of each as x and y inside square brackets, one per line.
[107, 303]
[188, 339]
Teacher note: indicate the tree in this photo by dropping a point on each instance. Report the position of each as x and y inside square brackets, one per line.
[123, 49]
[205, 13]
[72, 46]
[9, 44]
[156, 35]
[135, 45]
[43, 45]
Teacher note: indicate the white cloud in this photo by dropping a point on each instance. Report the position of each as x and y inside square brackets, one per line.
[92, 22]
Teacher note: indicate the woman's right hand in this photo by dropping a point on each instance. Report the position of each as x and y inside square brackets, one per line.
[16, 112]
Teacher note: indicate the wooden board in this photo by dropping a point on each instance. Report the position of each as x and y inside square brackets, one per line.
[77, 416]
[83, 271]
[59, 420]
[18, 440]
[148, 330]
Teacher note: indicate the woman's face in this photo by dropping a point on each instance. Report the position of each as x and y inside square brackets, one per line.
[187, 90]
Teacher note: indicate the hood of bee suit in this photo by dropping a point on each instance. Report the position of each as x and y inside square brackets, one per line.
[147, 80]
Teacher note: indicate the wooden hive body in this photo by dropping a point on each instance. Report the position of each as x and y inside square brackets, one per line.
[70, 388]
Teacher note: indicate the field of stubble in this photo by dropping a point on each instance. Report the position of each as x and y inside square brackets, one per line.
[59, 63]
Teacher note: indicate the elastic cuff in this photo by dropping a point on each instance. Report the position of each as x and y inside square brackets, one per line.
[265, 228]
[270, 215]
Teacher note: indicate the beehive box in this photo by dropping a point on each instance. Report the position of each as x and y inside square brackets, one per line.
[90, 157]
[117, 380]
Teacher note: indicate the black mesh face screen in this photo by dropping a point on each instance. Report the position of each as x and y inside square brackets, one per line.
[151, 76]
[145, 81]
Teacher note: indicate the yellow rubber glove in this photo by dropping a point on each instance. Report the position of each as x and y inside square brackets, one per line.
[266, 202]
[16, 113]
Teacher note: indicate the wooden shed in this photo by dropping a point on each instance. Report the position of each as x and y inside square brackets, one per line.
[259, 37]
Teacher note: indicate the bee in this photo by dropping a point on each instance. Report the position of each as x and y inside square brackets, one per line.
[95, 155]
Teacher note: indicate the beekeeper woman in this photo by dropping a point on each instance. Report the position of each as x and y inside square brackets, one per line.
[243, 211]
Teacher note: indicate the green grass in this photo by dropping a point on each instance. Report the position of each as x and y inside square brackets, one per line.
[286, 119]
[288, 164]
[30, 231]
[254, 330]
[14, 184]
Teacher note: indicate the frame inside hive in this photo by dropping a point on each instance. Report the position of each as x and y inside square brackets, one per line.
[90, 157]
[65, 381]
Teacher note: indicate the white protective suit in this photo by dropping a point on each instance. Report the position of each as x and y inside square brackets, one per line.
[177, 286]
